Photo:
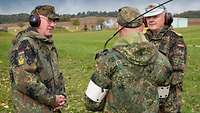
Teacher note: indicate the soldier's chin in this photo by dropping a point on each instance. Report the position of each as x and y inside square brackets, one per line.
[48, 35]
[153, 27]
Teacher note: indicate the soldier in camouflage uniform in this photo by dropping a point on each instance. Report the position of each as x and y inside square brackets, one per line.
[127, 76]
[37, 84]
[171, 44]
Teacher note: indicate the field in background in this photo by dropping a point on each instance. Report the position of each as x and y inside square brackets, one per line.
[76, 55]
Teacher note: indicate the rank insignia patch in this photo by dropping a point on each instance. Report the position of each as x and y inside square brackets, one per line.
[21, 59]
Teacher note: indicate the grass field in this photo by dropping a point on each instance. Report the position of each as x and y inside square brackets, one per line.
[76, 55]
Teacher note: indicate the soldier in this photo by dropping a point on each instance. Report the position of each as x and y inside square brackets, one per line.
[37, 84]
[127, 76]
[171, 44]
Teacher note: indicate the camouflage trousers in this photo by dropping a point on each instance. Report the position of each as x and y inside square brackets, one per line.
[172, 104]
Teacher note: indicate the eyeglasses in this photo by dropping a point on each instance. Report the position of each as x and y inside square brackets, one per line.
[48, 20]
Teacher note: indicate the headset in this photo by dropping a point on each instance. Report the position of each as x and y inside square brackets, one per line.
[34, 19]
[168, 17]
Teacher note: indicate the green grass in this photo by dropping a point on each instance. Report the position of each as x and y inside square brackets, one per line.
[5, 96]
[76, 56]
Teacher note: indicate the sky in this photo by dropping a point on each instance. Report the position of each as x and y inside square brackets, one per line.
[75, 6]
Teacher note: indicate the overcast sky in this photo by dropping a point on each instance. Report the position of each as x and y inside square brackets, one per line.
[75, 6]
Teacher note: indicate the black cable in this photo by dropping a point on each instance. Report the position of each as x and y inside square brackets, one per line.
[133, 21]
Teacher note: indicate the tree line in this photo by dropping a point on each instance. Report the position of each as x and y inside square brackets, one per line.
[23, 17]
[189, 14]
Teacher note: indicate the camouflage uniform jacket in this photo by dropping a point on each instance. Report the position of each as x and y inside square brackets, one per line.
[34, 73]
[172, 45]
[132, 74]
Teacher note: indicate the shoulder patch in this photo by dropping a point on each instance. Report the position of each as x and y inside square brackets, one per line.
[21, 59]
[21, 50]
[26, 53]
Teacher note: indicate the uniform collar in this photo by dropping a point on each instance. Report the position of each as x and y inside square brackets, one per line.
[158, 36]
[135, 37]
[31, 32]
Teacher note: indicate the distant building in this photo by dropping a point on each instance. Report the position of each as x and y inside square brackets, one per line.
[98, 27]
[90, 24]
[110, 23]
[180, 22]
[4, 28]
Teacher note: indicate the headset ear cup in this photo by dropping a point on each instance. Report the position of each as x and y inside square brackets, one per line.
[168, 19]
[34, 21]
[145, 22]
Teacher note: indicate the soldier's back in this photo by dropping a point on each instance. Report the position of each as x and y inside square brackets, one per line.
[139, 69]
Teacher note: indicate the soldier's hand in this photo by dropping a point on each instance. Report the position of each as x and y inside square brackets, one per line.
[59, 101]
[57, 108]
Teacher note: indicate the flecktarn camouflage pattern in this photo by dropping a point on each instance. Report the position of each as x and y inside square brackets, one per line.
[131, 73]
[173, 46]
[34, 73]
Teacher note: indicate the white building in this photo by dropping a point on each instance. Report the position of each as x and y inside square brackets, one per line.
[180, 22]
[110, 23]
